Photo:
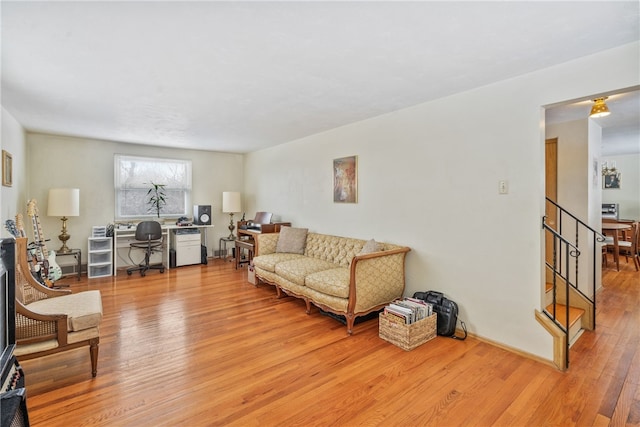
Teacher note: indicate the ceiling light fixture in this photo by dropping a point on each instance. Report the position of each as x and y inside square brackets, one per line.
[599, 108]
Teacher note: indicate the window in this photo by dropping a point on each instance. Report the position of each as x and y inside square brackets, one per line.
[133, 178]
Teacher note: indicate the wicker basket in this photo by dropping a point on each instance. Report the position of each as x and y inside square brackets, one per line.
[407, 337]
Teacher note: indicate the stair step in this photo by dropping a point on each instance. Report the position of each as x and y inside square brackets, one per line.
[548, 286]
[575, 314]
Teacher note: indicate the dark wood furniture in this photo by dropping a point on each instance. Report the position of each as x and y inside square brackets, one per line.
[613, 228]
[246, 238]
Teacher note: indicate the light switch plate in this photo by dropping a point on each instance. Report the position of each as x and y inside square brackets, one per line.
[503, 186]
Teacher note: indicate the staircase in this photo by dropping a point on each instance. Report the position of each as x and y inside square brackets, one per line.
[573, 318]
[573, 250]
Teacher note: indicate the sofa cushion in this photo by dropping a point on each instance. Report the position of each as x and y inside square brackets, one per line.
[292, 240]
[296, 270]
[268, 262]
[83, 310]
[331, 282]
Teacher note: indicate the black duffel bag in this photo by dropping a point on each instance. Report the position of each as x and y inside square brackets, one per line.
[447, 311]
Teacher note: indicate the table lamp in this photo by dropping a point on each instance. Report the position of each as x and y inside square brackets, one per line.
[231, 204]
[64, 202]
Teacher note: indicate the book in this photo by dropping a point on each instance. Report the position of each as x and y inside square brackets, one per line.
[410, 309]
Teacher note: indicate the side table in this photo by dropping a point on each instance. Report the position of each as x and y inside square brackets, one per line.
[222, 244]
[77, 253]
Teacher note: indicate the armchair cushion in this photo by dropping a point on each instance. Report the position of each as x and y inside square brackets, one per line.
[83, 310]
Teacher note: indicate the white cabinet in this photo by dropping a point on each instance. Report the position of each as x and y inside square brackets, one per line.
[187, 244]
[100, 257]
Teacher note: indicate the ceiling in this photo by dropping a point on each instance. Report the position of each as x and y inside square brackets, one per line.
[242, 76]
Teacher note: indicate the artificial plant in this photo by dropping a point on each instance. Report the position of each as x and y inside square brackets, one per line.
[157, 198]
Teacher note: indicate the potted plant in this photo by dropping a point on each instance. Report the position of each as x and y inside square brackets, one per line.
[157, 198]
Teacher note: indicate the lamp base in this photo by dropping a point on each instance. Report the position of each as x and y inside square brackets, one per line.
[64, 236]
[231, 227]
[63, 249]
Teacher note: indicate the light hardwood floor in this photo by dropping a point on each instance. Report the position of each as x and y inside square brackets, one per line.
[199, 346]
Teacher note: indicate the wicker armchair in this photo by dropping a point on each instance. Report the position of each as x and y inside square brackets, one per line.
[50, 321]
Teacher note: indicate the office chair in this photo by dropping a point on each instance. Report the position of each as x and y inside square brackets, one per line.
[149, 236]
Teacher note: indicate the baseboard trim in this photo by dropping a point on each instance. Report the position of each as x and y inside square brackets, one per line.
[511, 349]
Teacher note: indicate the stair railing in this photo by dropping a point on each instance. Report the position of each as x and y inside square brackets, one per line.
[561, 246]
[567, 249]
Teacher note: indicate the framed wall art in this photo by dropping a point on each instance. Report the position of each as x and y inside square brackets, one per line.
[345, 180]
[7, 169]
[611, 180]
[610, 176]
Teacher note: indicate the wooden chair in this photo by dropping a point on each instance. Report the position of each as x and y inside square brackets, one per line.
[50, 321]
[629, 246]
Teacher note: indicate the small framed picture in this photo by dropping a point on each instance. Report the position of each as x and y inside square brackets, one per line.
[345, 180]
[611, 180]
[7, 169]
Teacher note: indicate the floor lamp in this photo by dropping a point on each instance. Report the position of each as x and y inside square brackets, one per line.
[231, 204]
[64, 202]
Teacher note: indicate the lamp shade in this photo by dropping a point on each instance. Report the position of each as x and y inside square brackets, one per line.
[64, 202]
[231, 202]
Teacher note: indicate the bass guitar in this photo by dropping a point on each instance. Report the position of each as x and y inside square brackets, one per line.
[50, 269]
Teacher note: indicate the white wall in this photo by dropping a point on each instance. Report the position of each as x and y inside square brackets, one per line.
[579, 182]
[13, 141]
[628, 195]
[573, 164]
[87, 164]
[428, 178]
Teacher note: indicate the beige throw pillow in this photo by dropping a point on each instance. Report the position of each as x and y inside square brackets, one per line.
[370, 246]
[292, 240]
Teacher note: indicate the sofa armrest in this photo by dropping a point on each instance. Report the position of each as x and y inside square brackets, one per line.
[376, 279]
[266, 243]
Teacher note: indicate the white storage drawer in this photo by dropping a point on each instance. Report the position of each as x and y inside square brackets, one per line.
[100, 244]
[99, 270]
[187, 247]
[187, 255]
[100, 257]
[186, 238]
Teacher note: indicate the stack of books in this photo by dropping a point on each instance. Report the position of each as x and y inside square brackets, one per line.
[408, 310]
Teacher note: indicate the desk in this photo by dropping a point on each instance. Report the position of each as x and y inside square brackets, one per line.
[614, 227]
[264, 228]
[123, 238]
[247, 238]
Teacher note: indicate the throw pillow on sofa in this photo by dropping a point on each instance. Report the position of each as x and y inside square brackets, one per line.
[292, 240]
[370, 246]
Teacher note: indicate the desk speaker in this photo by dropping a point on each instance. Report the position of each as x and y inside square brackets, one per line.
[202, 214]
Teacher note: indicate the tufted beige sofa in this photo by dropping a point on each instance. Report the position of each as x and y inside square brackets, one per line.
[332, 274]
